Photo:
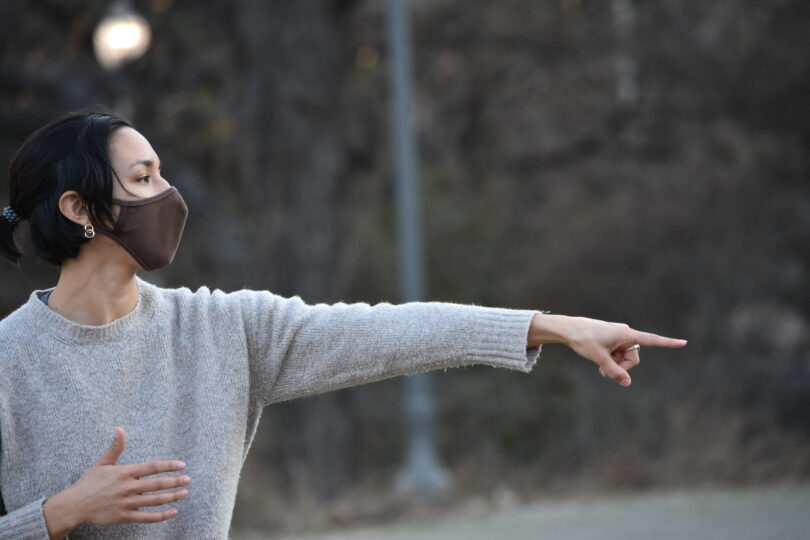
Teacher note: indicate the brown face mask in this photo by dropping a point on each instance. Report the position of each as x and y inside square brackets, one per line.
[150, 229]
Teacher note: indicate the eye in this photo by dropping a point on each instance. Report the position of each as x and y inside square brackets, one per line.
[142, 178]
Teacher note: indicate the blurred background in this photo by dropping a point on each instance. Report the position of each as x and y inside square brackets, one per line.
[640, 162]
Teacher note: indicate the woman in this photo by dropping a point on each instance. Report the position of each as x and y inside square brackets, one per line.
[178, 377]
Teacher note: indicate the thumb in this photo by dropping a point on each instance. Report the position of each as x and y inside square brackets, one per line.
[609, 368]
[115, 449]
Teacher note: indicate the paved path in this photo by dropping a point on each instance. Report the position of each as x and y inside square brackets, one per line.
[775, 513]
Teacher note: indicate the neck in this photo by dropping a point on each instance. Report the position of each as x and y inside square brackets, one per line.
[94, 294]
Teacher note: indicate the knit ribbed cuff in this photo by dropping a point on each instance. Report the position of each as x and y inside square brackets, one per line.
[500, 336]
[25, 523]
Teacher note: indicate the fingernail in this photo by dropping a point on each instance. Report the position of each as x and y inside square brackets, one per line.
[173, 511]
[625, 382]
[181, 465]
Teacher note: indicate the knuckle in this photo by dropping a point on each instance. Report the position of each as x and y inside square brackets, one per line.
[128, 487]
[144, 486]
[124, 515]
[149, 516]
[168, 482]
[146, 501]
[159, 484]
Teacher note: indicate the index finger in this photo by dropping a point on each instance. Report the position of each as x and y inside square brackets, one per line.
[653, 340]
[139, 470]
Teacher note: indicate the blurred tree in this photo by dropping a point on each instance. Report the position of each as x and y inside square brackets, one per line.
[686, 214]
[290, 159]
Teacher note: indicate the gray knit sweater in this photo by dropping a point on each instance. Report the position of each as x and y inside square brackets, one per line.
[187, 373]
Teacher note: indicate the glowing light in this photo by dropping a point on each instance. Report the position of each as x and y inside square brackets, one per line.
[124, 36]
[120, 37]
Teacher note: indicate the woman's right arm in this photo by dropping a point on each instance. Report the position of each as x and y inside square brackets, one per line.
[25, 523]
[106, 494]
[37, 521]
[59, 515]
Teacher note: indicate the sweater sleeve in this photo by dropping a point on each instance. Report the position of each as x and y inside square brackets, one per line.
[26, 523]
[297, 349]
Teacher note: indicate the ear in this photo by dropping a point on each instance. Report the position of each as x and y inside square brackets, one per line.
[72, 207]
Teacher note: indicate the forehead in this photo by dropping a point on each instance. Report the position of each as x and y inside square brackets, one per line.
[127, 146]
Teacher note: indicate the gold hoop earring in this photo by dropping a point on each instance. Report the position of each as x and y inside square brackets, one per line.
[89, 231]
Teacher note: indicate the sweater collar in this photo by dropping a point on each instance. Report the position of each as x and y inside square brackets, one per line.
[64, 329]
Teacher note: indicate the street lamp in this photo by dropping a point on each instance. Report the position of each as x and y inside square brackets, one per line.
[121, 36]
[423, 473]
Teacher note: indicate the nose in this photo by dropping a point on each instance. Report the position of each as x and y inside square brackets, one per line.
[165, 185]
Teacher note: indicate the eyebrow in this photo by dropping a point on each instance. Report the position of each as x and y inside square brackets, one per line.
[147, 162]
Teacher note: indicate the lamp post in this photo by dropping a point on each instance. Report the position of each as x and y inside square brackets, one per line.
[422, 472]
[120, 37]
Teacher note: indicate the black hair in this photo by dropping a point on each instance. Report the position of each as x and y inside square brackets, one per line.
[68, 153]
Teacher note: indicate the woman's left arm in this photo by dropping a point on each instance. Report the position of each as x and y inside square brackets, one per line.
[297, 349]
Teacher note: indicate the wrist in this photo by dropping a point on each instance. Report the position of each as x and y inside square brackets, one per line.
[549, 328]
[60, 517]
